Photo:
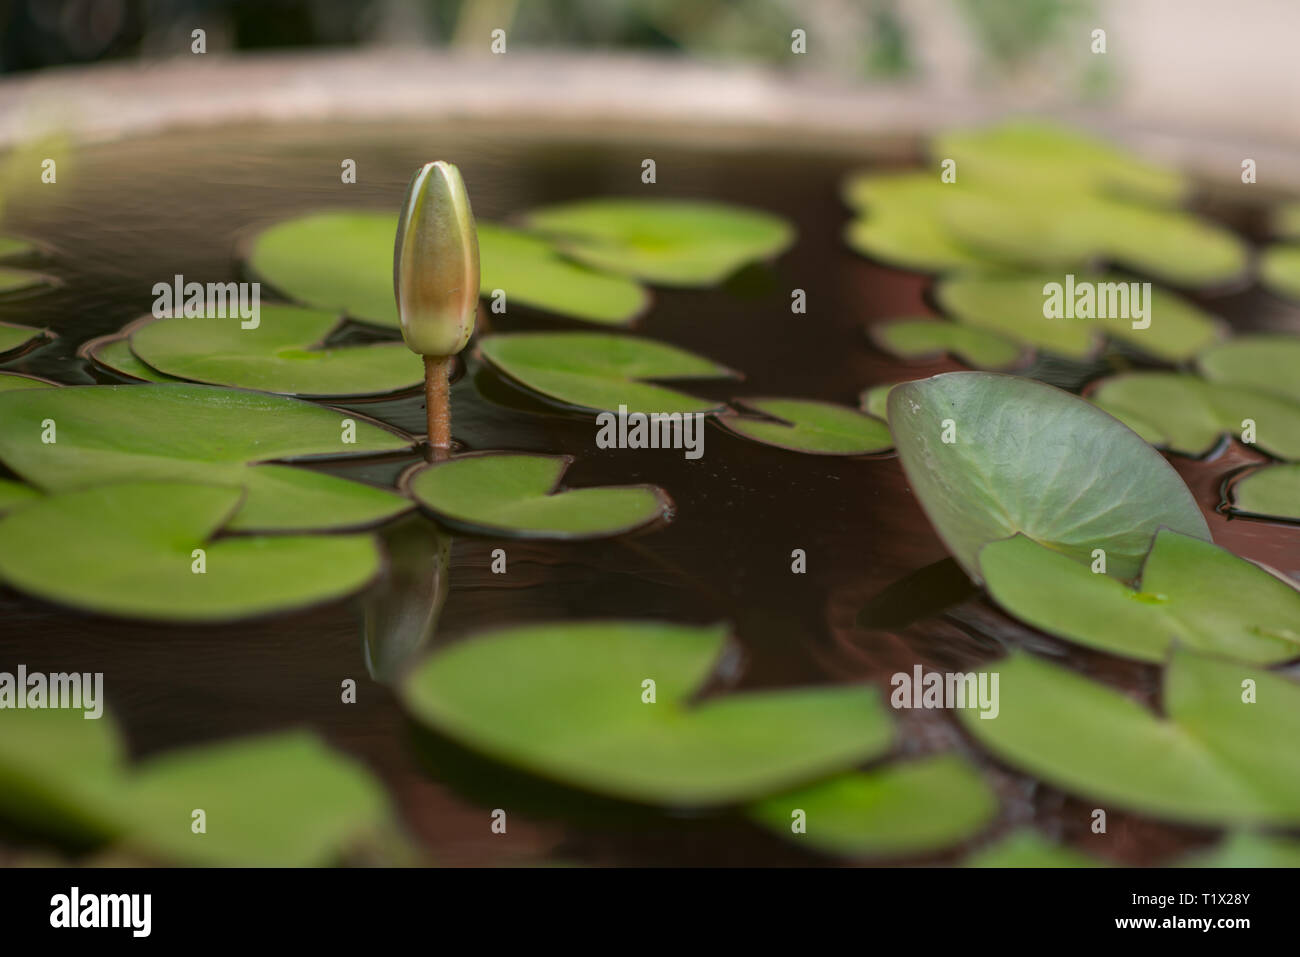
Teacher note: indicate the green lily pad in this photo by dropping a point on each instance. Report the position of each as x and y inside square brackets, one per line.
[343, 262]
[902, 224]
[912, 808]
[126, 549]
[15, 381]
[600, 371]
[1286, 221]
[12, 247]
[1214, 759]
[519, 495]
[1192, 592]
[1268, 363]
[14, 337]
[1030, 458]
[565, 701]
[204, 434]
[926, 338]
[1279, 269]
[283, 800]
[1192, 415]
[22, 280]
[114, 354]
[1271, 492]
[1247, 849]
[1012, 306]
[13, 494]
[875, 400]
[816, 428]
[282, 354]
[668, 242]
[1027, 848]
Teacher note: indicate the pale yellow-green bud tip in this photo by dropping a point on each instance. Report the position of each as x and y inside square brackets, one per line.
[435, 262]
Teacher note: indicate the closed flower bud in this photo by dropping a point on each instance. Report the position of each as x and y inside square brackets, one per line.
[435, 262]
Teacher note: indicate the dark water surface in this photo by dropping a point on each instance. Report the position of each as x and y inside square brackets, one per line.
[125, 216]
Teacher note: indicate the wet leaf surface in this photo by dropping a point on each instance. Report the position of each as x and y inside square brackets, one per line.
[815, 428]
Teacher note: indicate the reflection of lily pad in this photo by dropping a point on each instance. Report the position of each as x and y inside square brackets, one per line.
[601, 371]
[669, 242]
[1271, 492]
[1192, 415]
[925, 338]
[14, 337]
[803, 425]
[282, 354]
[343, 262]
[1012, 306]
[202, 434]
[1215, 758]
[1268, 363]
[283, 800]
[910, 808]
[1028, 848]
[1026, 457]
[518, 495]
[1192, 593]
[126, 549]
[565, 701]
[1279, 269]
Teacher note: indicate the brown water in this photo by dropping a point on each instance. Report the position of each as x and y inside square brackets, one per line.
[128, 215]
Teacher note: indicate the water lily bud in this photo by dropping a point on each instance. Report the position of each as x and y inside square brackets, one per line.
[435, 262]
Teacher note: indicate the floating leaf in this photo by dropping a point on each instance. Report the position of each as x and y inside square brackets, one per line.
[600, 371]
[22, 280]
[1027, 848]
[874, 401]
[343, 262]
[1286, 221]
[14, 337]
[283, 354]
[283, 800]
[1193, 415]
[126, 549]
[668, 242]
[1279, 269]
[1271, 492]
[15, 381]
[15, 493]
[519, 495]
[1026, 457]
[817, 428]
[925, 338]
[11, 247]
[1247, 849]
[204, 434]
[1013, 306]
[565, 701]
[1192, 592]
[1040, 155]
[114, 354]
[912, 808]
[1215, 759]
[1267, 363]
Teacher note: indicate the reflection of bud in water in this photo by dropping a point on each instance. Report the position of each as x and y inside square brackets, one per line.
[435, 262]
[401, 613]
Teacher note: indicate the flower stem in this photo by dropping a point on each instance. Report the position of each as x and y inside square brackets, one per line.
[437, 392]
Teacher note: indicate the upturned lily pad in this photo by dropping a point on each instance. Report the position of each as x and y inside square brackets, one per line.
[283, 800]
[126, 549]
[15, 337]
[1028, 848]
[203, 434]
[1028, 458]
[283, 354]
[816, 428]
[1279, 269]
[912, 808]
[1224, 754]
[1192, 592]
[15, 381]
[568, 701]
[1012, 306]
[114, 354]
[667, 242]
[520, 495]
[601, 371]
[343, 262]
[1042, 155]
[1192, 415]
[1268, 363]
[926, 338]
[1269, 492]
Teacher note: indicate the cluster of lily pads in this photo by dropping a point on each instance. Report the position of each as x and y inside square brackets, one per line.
[203, 450]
